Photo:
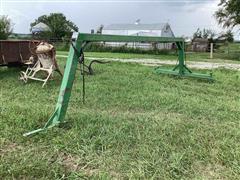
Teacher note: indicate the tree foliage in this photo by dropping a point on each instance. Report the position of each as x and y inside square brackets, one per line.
[58, 23]
[205, 33]
[227, 36]
[5, 27]
[212, 36]
[228, 14]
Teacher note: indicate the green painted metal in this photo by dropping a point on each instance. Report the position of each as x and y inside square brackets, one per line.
[120, 38]
[181, 69]
[65, 90]
[72, 61]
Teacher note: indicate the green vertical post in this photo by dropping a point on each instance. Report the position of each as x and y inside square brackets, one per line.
[65, 90]
[181, 59]
[181, 56]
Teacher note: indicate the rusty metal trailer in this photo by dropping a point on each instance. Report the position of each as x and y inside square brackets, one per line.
[15, 53]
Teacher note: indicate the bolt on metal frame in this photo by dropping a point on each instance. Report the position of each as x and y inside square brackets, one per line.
[72, 61]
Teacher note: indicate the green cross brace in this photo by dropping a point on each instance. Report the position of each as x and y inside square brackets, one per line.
[72, 61]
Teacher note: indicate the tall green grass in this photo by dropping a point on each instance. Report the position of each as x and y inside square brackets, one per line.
[135, 124]
[96, 47]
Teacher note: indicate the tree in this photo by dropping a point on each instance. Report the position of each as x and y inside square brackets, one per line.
[100, 28]
[197, 34]
[205, 33]
[208, 34]
[58, 23]
[228, 14]
[5, 27]
[227, 36]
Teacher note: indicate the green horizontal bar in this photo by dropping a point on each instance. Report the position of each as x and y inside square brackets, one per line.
[121, 38]
[186, 74]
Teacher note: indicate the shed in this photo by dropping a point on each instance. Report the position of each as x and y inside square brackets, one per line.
[200, 45]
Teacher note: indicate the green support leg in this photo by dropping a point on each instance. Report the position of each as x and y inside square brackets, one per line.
[181, 69]
[65, 90]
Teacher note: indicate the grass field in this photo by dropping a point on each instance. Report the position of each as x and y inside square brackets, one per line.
[228, 51]
[135, 124]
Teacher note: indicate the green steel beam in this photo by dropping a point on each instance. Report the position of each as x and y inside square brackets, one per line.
[185, 74]
[65, 90]
[119, 38]
[72, 61]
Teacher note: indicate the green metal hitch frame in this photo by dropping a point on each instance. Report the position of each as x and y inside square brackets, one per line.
[72, 61]
[181, 69]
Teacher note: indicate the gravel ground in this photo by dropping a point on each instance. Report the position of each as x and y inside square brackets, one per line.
[155, 62]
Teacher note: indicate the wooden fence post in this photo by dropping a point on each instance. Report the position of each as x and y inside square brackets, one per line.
[211, 51]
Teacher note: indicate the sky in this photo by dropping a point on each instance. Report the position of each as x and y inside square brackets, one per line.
[184, 16]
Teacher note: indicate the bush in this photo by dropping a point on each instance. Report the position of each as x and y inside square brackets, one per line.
[96, 47]
[5, 27]
[61, 46]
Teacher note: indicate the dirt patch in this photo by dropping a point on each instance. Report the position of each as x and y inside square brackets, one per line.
[73, 163]
[211, 171]
[10, 147]
[69, 162]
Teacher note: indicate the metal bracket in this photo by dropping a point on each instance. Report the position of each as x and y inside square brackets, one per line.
[185, 72]
[53, 121]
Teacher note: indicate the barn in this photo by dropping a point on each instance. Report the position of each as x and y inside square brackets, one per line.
[138, 29]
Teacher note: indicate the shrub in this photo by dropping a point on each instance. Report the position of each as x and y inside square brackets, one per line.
[5, 27]
[96, 47]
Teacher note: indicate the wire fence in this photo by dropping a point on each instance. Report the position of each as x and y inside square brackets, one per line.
[222, 50]
[226, 51]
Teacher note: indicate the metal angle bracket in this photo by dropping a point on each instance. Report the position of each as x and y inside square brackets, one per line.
[184, 72]
[53, 121]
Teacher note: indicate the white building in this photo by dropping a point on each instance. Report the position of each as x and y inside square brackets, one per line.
[138, 29]
[40, 27]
